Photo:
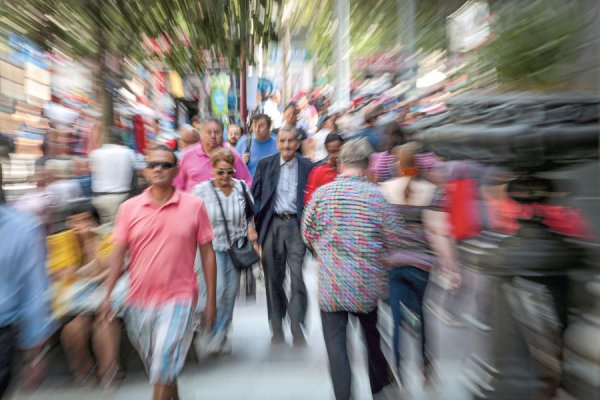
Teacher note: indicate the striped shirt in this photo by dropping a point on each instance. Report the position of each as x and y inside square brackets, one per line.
[382, 165]
[234, 207]
[344, 224]
[287, 187]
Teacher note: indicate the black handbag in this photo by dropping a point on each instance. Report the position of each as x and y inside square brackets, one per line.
[242, 252]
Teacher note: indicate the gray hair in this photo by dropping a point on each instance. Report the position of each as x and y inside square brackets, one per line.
[212, 119]
[355, 153]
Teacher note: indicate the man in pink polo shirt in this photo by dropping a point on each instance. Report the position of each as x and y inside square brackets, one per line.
[161, 229]
[195, 166]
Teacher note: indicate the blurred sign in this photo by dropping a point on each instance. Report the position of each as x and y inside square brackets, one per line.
[469, 26]
[219, 86]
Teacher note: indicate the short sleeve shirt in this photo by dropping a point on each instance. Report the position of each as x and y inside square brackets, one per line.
[162, 243]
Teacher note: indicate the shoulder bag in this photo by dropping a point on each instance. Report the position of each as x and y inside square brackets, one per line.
[242, 252]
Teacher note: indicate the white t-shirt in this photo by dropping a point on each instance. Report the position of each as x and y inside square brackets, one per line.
[112, 168]
[272, 110]
[319, 143]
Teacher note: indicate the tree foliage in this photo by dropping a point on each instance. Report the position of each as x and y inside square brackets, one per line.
[187, 30]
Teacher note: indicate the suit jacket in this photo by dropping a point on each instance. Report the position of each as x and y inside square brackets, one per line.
[264, 191]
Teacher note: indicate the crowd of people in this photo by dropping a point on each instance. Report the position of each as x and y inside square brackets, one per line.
[367, 203]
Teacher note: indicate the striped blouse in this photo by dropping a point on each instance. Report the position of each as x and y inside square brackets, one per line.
[343, 225]
[234, 207]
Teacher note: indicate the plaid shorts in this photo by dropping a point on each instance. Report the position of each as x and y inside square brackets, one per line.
[162, 335]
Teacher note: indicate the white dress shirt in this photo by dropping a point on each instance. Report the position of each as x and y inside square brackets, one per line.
[112, 168]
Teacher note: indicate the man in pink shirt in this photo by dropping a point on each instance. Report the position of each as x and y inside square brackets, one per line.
[195, 166]
[162, 228]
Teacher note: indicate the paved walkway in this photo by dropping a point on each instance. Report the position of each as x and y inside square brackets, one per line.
[257, 370]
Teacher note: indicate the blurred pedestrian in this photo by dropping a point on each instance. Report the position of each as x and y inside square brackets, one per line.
[195, 166]
[82, 297]
[343, 226]
[188, 136]
[258, 143]
[290, 120]
[317, 150]
[162, 228]
[196, 122]
[24, 295]
[226, 197]
[234, 133]
[370, 130]
[272, 109]
[278, 190]
[325, 173]
[113, 169]
[308, 115]
[411, 257]
[381, 164]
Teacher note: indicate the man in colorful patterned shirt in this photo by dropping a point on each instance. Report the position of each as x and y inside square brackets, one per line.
[343, 226]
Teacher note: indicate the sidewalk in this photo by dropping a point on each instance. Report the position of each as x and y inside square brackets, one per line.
[257, 370]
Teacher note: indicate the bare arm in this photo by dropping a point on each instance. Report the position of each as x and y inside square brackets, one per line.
[209, 266]
[115, 266]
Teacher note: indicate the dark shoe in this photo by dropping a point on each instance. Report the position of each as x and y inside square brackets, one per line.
[277, 337]
[299, 340]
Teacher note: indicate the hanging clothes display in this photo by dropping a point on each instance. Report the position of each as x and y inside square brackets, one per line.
[139, 134]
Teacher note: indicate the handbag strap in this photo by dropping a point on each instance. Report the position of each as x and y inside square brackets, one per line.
[246, 201]
[212, 185]
[248, 143]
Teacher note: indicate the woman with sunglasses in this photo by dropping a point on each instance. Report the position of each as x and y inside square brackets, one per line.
[230, 194]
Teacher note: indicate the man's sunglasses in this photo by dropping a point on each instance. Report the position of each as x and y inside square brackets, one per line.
[162, 165]
[221, 172]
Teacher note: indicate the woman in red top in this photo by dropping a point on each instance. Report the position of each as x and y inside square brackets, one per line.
[325, 173]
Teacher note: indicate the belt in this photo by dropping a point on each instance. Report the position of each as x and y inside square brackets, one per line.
[107, 193]
[287, 217]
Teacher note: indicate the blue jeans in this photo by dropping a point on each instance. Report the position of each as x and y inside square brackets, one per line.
[407, 286]
[228, 284]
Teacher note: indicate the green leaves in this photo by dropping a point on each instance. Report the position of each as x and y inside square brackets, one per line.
[184, 28]
[534, 42]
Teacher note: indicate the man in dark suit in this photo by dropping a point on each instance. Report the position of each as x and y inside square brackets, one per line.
[278, 189]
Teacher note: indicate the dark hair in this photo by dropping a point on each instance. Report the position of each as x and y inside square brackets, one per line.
[83, 208]
[332, 116]
[264, 117]
[115, 135]
[290, 105]
[195, 118]
[163, 147]
[333, 137]
[395, 134]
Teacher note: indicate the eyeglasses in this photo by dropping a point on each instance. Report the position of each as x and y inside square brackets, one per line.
[221, 172]
[162, 165]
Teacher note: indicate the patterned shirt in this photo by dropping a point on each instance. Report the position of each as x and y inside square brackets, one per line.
[344, 224]
[287, 187]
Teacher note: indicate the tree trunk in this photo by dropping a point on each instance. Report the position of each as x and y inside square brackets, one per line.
[103, 96]
[243, 109]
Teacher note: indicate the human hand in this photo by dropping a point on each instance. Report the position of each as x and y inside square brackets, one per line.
[246, 157]
[105, 311]
[252, 235]
[208, 316]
